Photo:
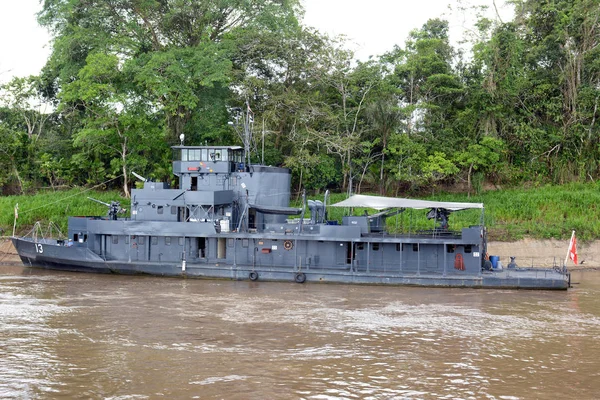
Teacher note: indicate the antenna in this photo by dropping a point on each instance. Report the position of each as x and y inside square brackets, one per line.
[248, 121]
[243, 120]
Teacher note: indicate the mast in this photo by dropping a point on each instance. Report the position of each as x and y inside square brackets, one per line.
[243, 123]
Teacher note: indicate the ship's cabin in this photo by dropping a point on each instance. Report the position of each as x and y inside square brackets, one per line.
[208, 159]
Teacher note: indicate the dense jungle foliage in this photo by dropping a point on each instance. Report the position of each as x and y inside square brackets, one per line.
[127, 77]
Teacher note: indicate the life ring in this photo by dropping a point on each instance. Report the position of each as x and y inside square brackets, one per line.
[459, 262]
[288, 245]
[300, 277]
[253, 275]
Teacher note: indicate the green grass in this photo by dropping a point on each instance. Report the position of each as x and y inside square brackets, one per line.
[53, 207]
[542, 213]
[512, 214]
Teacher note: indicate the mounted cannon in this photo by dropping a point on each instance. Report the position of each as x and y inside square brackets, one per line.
[114, 208]
[440, 215]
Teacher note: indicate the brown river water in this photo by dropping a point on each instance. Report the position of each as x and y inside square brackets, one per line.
[85, 336]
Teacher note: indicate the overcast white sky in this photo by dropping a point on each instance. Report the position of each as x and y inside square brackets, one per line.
[374, 26]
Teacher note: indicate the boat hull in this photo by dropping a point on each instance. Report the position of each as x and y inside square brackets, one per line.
[81, 259]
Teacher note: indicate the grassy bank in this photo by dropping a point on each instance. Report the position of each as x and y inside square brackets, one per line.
[540, 213]
[53, 206]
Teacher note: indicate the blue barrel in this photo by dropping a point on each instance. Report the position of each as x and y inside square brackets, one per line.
[494, 261]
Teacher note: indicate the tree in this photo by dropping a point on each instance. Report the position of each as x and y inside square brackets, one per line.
[22, 97]
[112, 121]
[428, 87]
[385, 117]
[25, 113]
[123, 66]
[347, 90]
[174, 51]
[13, 151]
[480, 156]
[542, 75]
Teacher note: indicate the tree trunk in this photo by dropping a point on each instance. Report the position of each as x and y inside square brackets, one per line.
[300, 183]
[18, 179]
[124, 166]
[381, 184]
[469, 179]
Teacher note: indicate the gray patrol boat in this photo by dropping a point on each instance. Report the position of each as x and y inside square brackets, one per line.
[230, 219]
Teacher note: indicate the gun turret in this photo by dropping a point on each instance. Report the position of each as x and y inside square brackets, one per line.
[114, 208]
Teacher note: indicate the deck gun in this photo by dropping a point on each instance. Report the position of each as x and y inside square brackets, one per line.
[114, 208]
[440, 215]
[377, 221]
[141, 178]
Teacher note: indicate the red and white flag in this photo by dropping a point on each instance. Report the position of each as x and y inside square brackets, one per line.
[573, 248]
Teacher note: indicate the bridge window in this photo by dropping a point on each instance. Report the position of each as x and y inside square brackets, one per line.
[194, 155]
[236, 155]
[215, 155]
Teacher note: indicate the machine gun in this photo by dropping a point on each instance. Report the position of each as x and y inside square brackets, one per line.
[114, 208]
[440, 215]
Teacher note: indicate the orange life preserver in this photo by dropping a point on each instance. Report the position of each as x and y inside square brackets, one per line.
[459, 262]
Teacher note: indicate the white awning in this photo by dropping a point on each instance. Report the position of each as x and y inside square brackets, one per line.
[380, 203]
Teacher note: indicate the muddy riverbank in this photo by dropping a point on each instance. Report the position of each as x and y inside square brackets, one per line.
[546, 253]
